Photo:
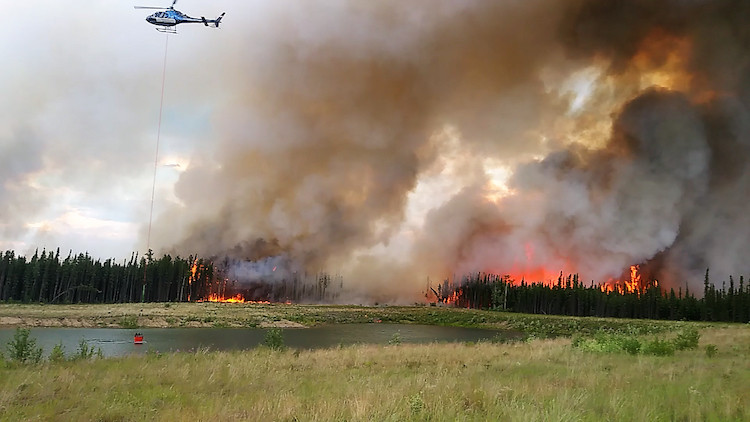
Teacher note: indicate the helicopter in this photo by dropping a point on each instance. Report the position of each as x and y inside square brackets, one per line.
[168, 20]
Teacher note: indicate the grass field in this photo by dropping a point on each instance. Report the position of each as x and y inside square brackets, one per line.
[535, 380]
[540, 379]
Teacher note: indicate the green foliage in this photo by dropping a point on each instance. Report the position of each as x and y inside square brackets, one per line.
[618, 343]
[58, 353]
[658, 347]
[416, 404]
[84, 352]
[711, 350]
[395, 339]
[274, 339]
[129, 321]
[631, 345]
[687, 339]
[608, 343]
[23, 349]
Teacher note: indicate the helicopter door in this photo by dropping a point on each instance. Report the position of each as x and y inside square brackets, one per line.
[162, 18]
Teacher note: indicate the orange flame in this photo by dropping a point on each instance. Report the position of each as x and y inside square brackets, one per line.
[217, 298]
[453, 298]
[193, 271]
[635, 284]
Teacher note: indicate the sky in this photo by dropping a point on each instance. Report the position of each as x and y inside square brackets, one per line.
[81, 91]
[390, 142]
[78, 135]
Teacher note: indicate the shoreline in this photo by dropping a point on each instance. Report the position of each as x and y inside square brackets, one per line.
[255, 315]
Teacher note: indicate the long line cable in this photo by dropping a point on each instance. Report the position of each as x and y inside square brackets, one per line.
[156, 160]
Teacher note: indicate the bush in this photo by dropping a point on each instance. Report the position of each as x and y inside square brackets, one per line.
[687, 339]
[608, 343]
[631, 345]
[658, 347]
[58, 353]
[711, 350]
[416, 404]
[274, 339]
[85, 352]
[130, 322]
[23, 349]
[395, 339]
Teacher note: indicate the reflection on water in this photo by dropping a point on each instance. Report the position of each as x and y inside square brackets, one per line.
[119, 342]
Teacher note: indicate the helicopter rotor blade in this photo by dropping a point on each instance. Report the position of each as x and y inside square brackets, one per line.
[150, 7]
[173, 3]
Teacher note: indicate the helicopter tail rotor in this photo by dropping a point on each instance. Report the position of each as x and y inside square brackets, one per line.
[214, 23]
[218, 20]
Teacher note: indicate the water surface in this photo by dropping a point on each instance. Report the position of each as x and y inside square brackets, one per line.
[119, 342]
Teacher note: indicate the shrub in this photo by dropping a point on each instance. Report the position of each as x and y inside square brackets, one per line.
[130, 322]
[608, 343]
[58, 353]
[416, 404]
[274, 339]
[687, 339]
[23, 349]
[85, 352]
[711, 350]
[631, 345]
[658, 347]
[395, 339]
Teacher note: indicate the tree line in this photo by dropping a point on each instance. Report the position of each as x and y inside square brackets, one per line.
[47, 277]
[569, 296]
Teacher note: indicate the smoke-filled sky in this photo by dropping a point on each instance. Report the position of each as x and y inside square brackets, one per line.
[386, 141]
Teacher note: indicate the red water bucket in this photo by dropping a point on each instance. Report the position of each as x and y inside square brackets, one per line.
[138, 338]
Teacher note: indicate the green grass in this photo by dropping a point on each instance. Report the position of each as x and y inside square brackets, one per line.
[128, 321]
[136, 315]
[536, 380]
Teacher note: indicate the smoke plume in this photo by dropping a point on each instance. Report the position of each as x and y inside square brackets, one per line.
[366, 139]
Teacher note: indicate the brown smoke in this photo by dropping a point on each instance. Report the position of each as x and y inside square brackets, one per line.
[330, 126]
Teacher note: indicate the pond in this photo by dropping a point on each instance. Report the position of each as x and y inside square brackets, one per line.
[119, 342]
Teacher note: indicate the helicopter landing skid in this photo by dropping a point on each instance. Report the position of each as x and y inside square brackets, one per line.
[167, 30]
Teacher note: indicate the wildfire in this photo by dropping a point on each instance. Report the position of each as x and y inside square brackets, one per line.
[453, 298]
[635, 284]
[454, 294]
[217, 298]
[238, 298]
[193, 270]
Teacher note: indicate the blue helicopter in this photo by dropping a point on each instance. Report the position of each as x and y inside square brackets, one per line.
[168, 20]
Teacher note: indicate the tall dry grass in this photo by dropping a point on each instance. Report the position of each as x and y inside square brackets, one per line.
[540, 380]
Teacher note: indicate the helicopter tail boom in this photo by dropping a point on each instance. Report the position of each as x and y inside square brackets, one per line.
[214, 22]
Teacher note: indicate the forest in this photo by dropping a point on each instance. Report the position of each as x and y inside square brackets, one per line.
[569, 296]
[48, 278]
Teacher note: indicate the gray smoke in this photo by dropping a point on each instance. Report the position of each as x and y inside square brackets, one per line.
[270, 270]
[333, 124]
[666, 188]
